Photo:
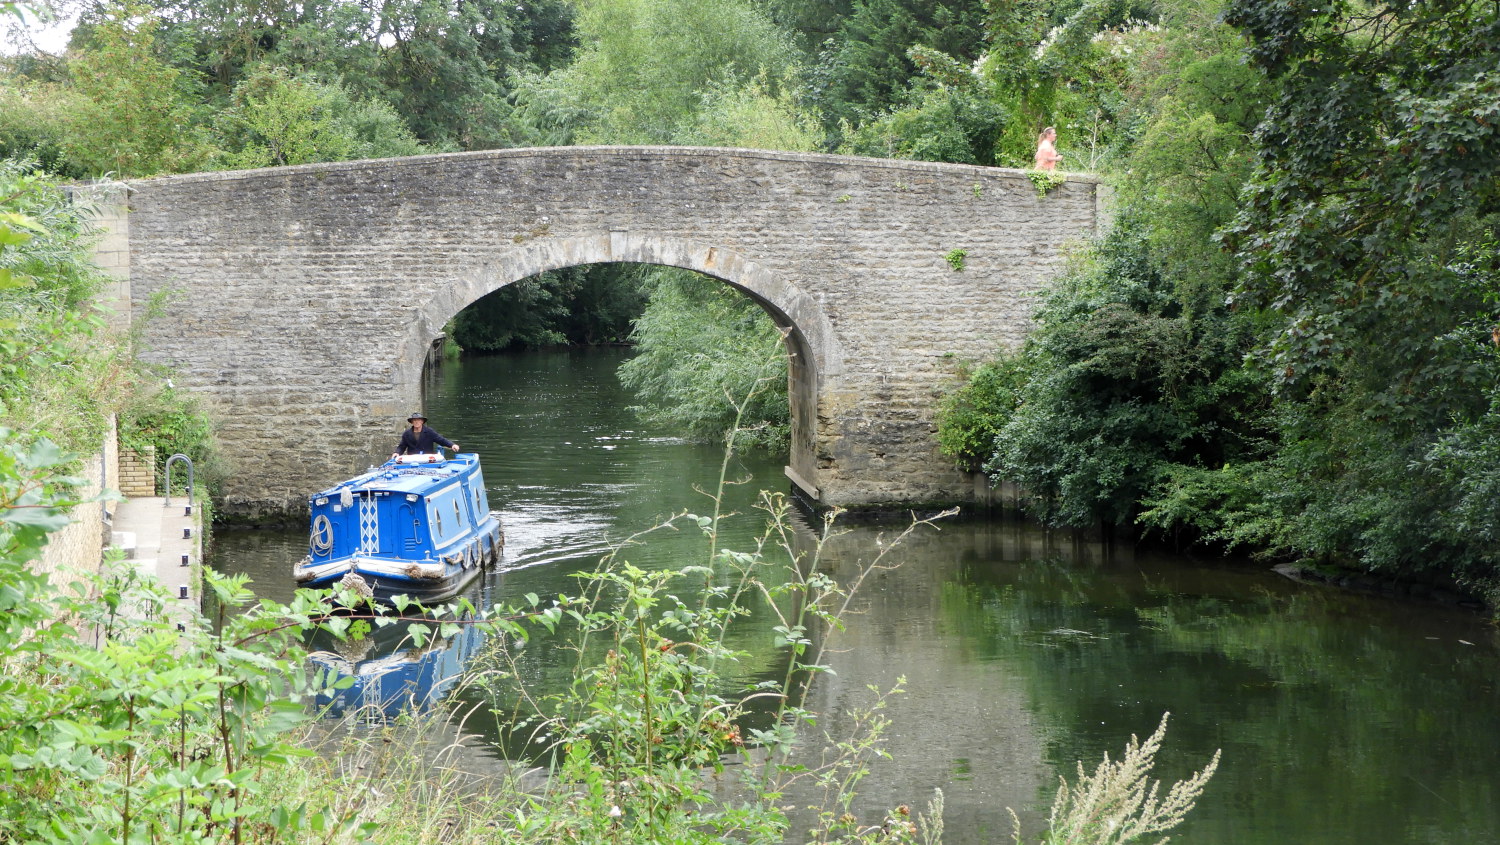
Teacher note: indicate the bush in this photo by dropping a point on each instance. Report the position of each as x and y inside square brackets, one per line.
[60, 370]
[970, 418]
[944, 124]
[115, 727]
[172, 422]
[1121, 382]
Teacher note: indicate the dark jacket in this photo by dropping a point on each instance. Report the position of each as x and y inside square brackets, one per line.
[420, 443]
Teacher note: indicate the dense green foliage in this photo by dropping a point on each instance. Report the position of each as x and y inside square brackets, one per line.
[867, 67]
[1369, 229]
[117, 728]
[169, 87]
[278, 119]
[579, 305]
[60, 372]
[1124, 385]
[1288, 342]
[645, 68]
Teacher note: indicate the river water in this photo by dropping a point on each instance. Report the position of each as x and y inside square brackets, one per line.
[1342, 718]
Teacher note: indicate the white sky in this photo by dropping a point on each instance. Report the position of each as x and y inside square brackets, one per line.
[49, 38]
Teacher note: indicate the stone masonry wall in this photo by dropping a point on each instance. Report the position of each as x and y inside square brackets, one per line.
[108, 204]
[77, 549]
[306, 297]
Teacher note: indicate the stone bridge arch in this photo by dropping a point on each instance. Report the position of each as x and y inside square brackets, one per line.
[811, 336]
[301, 301]
[811, 344]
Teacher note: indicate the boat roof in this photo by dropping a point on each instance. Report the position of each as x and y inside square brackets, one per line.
[420, 478]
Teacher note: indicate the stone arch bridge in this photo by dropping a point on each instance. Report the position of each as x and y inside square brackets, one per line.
[300, 303]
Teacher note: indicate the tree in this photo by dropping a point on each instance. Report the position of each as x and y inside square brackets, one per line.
[867, 68]
[444, 65]
[132, 114]
[810, 22]
[445, 68]
[279, 119]
[33, 123]
[579, 305]
[1370, 229]
[752, 115]
[701, 349]
[1373, 174]
[646, 69]
[958, 118]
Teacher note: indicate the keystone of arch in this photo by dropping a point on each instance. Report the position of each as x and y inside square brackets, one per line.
[788, 304]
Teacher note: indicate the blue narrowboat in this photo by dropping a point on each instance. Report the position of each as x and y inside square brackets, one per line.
[418, 525]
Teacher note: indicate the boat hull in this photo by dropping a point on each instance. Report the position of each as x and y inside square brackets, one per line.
[383, 579]
[384, 588]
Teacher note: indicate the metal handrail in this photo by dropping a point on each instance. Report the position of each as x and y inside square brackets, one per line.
[189, 461]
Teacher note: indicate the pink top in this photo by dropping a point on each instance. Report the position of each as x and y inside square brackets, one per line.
[1047, 155]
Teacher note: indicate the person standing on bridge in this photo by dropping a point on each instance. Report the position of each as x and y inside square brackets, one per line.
[1047, 155]
[421, 440]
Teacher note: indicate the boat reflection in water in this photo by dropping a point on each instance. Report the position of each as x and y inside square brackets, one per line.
[393, 674]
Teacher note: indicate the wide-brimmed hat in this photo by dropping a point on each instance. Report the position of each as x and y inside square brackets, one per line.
[417, 415]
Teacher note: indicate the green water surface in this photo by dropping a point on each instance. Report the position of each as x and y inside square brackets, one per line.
[1342, 718]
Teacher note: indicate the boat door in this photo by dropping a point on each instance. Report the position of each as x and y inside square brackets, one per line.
[408, 528]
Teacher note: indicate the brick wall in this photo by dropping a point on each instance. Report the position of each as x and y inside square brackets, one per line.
[138, 473]
[308, 297]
